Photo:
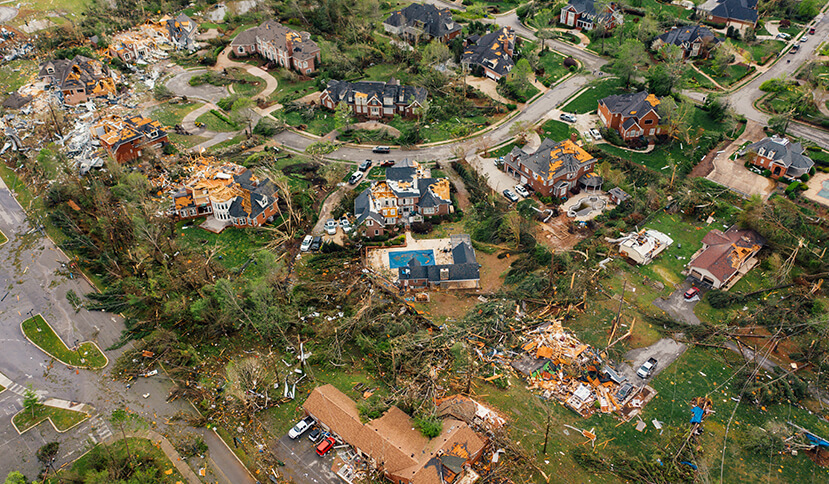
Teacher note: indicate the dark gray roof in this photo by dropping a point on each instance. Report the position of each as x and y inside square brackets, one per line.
[636, 104]
[464, 267]
[587, 8]
[437, 22]
[529, 365]
[302, 47]
[16, 101]
[784, 152]
[628, 123]
[362, 208]
[745, 10]
[539, 162]
[400, 173]
[686, 35]
[428, 199]
[236, 210]
[90, 71]
[493, 51]
[182, 29]
[342, 90]
[620, 194]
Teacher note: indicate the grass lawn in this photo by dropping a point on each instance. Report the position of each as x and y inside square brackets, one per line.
[447, 129]
[321, 124]
[760, 52]
[185, 142]
[792, 30]
[87, 355]
[687, 236]
[288, 89]
[502, 151]
[695, 79]
[145, 450]
[14, 74]
[3, 238]
[588, 100]
[553, 66]
[230, 142]
[215, 123]
[384, 72]
[237, 245]
[61, 418]
[170, 114]
[733, 73]
[556, 130]
[252, 87]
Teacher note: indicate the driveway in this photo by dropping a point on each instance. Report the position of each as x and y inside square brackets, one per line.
[733, 173]
[302, 464]
[180, 85]
[666, 351]
[678, 307]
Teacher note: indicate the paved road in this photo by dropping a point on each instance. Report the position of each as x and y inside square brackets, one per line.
[225, 461]
[302, 464]
[180, 85]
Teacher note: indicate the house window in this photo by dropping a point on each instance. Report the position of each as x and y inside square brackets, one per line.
[241, 50]
[648, 121]
[369, 223]
[376, 232]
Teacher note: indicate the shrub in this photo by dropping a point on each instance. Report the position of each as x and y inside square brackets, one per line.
[805, 177]
[169, 149]
[421, 227]
[226, 103]
[720, 299]
[267, 127]
[570, 63]
[430, 427]
[161, 93]
[766, 173]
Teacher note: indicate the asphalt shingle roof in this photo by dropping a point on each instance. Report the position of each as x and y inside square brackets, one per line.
[784, 152]
[342, 90]
[685, 35]
[492, 51]
[437, 22]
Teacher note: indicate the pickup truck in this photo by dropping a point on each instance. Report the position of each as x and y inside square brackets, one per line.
[647, 369]
[301, 427]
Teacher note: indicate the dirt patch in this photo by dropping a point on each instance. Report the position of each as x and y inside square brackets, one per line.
[758, 338]
[493, 270]
[555, 233]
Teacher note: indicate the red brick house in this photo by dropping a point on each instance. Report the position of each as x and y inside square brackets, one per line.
[781, 157]
[374, 99]
[280, 45]
[736, 13]
[581, 14]
[125, 139]
[554, 169]
[631, 115]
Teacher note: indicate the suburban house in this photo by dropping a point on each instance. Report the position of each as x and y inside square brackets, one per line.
[126, 138]
[374, 99]
[642, 247]
[631, 115]
[406, 195]
[227, 194]
[79, 79]
[725, 257]
[144, 43]
[492, 52]
[553, 170]
[422, 22]
[181, 31]
[692, 40]
[735, 13]
[780, 156]
[279, 44]
[582, 14]
[462, 273]
[392, 443]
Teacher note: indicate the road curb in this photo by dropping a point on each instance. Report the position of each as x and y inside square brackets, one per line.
[67, 346]
[21, 432]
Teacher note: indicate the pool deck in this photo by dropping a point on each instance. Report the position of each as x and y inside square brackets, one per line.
[378, 259]
[815, 186]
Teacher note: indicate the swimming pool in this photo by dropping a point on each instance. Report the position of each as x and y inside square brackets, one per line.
[824, 192]
[402, 258]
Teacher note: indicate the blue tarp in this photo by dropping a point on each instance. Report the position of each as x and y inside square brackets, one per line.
[696, 415]
[817, 440]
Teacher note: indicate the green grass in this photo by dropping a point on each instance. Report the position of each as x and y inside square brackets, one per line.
[792, 30]
[502, 151]
[733, 73]
[289, 90]
[321, 124]
[761, 52]
[185, 142]
[143, 449]
[588, 100]
[557, 130]
[253, 86]
[61, 418]
[172, 114]
[215, 123]
[687, 236]
[3, 238]
[237, 245]
[695, 79]
[447, 129]
[205, 26]
[383, 72]
[229, 142]
[552, 64]
[15, 74]
[42, 334]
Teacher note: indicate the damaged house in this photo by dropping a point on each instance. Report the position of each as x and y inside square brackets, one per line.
[725, 257]
[692, 40]
[422, 22]
[181, 31]
[492, 52]
[144, 43]
[554, 169]
[631, 115]
[79, 79]
[642, 247]
[374, 99]
[462, 273]
[780, 156]
[125, 139]
[392, 443]
[227, 194]
[279, 44]
[406, 195]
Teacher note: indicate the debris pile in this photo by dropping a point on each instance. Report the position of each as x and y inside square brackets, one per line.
[577, 375]
[14, 44]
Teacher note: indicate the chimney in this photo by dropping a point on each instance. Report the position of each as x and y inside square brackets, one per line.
[574, 137]
[444, 274]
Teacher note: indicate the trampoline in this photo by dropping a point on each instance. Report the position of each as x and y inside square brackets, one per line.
[402, 258]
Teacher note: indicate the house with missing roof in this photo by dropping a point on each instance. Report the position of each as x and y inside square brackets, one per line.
[734, 13]
[492, 52]
[642, 247]
[227, 194]
[780, 156]
[695, 41]
[407, 195]
[581, 14]
[79, 79]
[125, 139]
[145, 43]
[725, 257]
[462, 273]
[631, 115]
[422, 22]
[374, 99]
[181, 31]
[279, 44]
[554, 169]
[392, 443]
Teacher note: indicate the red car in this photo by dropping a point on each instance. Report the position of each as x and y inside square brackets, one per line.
[325, 446]
[691, 293]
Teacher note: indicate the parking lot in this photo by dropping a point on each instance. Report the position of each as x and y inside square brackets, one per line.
[302, 464]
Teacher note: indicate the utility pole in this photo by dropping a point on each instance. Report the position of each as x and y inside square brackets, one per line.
[55, 120]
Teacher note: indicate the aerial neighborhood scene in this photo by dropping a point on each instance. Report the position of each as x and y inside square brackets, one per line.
[414, 241]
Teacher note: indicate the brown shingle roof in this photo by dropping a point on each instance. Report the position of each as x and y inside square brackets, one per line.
[726, 251]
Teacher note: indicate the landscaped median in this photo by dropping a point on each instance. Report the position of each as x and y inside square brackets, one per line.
[62, 419]
[3, 238]
[86, 355]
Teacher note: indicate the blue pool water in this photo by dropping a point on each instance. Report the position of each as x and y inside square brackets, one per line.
[402, 258]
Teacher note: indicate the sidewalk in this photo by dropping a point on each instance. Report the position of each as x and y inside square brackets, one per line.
[165, 445]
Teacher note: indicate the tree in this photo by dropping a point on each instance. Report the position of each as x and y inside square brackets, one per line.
[603, 16]
[342, 116]
[647, 28]
[630, 56]
[669, 75]
[31, 402]
[543, 21]
[46, 454]
[435, 52]
[519, 76]
[723, 56]
[15, 477]
[242, 112]
[780, 122]
[121, 417]
[675, 117]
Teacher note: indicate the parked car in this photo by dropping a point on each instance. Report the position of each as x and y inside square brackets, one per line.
[316, 243]
[623, 392]
[315, 435]
[355, 178]
[595, 134]
[519, 189]
[387, 163]
[804, 38]
[306, 243]
[794, 49]
[345, 225]
[331, 226]
[364, 166]
[325, 446]
[381, 149]
[784, 36]
[812, 30]
[511, 196]
[692, 293]
[647, 369]
[570, 118]
[301, 427]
